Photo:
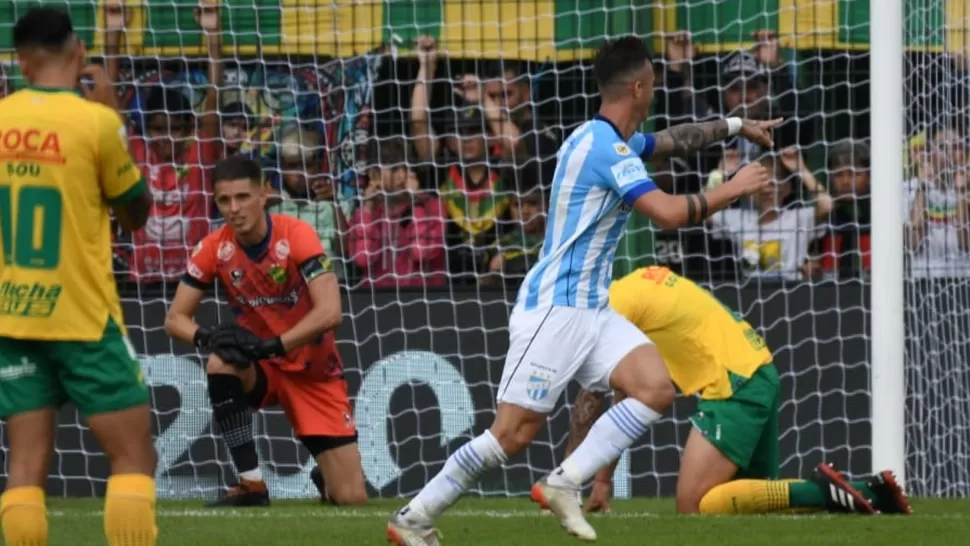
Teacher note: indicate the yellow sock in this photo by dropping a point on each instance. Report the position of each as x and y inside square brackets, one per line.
[746, 497]
[129, 511]
[24, 517]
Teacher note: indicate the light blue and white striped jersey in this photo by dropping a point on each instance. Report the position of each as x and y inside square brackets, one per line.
[598, 178]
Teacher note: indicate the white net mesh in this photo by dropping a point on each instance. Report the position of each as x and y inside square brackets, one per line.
[317, 90]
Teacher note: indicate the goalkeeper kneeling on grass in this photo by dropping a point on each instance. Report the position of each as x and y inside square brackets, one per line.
[730, 464]
[280, 350]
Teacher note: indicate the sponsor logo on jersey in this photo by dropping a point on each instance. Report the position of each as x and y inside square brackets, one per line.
[628, 171]
[197, 249]
[18, 144]
[290, 298]
[621, 148]
[194, 271]
[226, 251]
[29, 300]
[26, 368]
[236, 276]
[282, 249]
[277, 273]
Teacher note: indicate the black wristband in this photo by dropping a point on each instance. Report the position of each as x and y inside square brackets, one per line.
[272, 348]
[201, 338]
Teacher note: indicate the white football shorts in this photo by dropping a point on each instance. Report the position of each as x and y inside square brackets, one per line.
[549, 347]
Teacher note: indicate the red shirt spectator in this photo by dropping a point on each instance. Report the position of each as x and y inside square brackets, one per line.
[397, 239]
[175, 166]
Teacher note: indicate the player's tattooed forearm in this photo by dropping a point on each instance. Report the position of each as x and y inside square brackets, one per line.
[689, 137]
[588, 407]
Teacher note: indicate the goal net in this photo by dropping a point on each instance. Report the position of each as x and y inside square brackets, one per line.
[323, 89]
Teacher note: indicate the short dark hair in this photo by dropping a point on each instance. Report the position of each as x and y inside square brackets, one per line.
[168, 100]
[236, 167]
[498, 69]
[390, 153]
[43, 28]
[618, 58]
[848, 153]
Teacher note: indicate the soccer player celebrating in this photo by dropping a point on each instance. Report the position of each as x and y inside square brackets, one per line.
[562, 327]
[62, 334]
[711, 351]
[281, 349]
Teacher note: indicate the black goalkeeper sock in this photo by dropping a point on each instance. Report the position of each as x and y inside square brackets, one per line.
[233, 420]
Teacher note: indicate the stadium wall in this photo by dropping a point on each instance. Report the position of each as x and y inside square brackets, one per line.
[423, 367]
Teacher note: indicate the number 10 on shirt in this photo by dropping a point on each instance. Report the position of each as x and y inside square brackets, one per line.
[31, 238]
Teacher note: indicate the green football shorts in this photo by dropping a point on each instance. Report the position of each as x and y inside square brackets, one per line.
[97, 376]
[745, 427]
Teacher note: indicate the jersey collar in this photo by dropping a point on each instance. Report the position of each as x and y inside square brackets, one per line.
[611, 124]
[257, 250]
[42, 89]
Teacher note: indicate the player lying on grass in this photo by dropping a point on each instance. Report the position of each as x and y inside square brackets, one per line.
[280, 349]
[62, 334]
[730, 463]
[561, 327]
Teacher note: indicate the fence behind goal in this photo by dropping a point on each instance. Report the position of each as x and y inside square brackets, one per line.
[423, 362]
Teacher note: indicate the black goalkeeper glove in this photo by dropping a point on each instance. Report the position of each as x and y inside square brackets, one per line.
[240, 347]
[201, 338]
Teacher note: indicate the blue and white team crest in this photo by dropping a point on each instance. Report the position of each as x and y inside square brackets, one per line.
[538, 387]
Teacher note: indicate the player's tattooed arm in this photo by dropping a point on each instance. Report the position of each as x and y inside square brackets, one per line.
[586, 410]
[689, 137]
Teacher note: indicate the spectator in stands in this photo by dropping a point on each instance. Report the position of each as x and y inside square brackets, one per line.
[772, 240]
[505, 97]
[511, 257]
[307, 193]
[845, 249]
[174, 155]
[396, 237]
[475, 195]
[938, 234]
[475, 192]
[236, 126]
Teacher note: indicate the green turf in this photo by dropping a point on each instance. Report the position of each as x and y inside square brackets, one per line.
[504, 522]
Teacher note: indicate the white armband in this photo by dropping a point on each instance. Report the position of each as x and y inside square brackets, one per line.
[734, 125]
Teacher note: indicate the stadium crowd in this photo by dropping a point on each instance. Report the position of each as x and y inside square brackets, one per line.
[449, 184]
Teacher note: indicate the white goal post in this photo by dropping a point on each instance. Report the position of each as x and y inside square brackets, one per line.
[888, 302]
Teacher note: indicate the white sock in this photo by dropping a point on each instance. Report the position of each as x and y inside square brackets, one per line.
[613, 432]
[460, 472]
[254, 475]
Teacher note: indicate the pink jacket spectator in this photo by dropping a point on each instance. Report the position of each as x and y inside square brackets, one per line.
[399, 245]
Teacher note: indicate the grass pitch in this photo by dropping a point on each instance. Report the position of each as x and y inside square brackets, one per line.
[515, 522]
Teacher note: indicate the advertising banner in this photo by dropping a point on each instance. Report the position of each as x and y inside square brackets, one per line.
[423, 368]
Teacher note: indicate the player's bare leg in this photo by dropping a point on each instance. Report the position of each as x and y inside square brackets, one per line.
[126, 438]
[642, 377]
[513, 429]
[702, 467]
[22, 506]
[228, 388]
[339, 475]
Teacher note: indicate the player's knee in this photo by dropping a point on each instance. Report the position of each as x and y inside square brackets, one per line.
[688, 503]
[215, 366]
[657, 395]
[349, 495]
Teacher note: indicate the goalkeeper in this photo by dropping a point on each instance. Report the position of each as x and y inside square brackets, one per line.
[730, 464]
[281, 350]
